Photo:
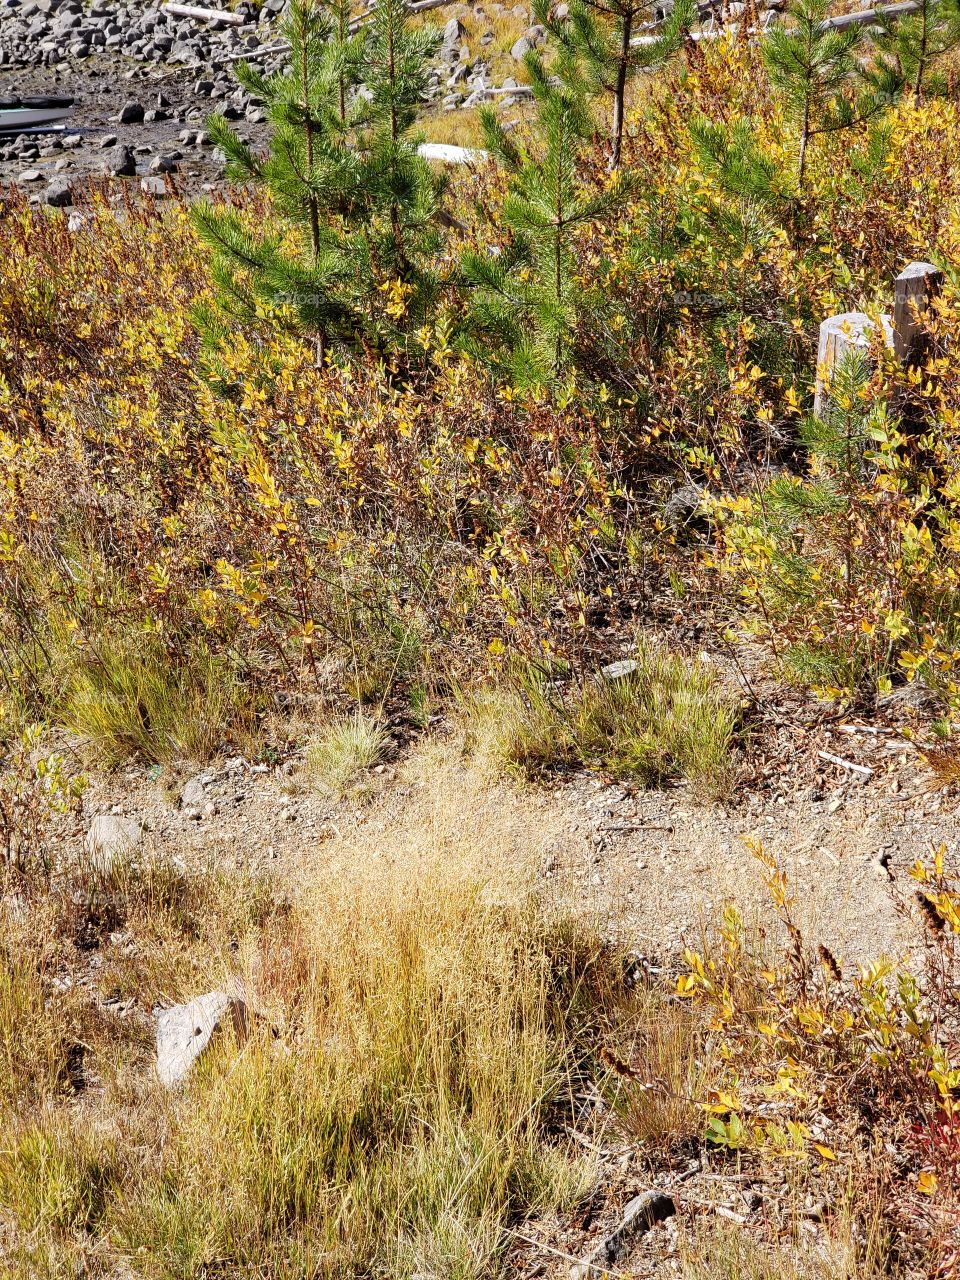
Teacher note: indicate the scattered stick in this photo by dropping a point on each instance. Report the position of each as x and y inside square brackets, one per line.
[633, 826]
[860, 769]
[558, 1253]
[204, 15]
[595, 1148]
[642, 1213]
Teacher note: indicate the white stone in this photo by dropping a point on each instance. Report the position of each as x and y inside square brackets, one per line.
[110, 837]
[185, 1031]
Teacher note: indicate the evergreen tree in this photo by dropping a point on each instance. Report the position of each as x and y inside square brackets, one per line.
[600, 41]
[400, 235]
[311, 174]
[345, 177]
[814, 66]
[911, 44]
[525, 304]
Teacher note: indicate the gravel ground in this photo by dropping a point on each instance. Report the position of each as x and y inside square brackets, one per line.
[144, 84]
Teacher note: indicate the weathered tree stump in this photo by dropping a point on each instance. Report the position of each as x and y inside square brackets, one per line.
[913, 290]
[839, 335]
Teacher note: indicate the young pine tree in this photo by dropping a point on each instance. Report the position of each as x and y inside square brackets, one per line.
[819, 526]
[814, 67]
[525, 301]
[399, 236]
[911, 45]
[311, 175]
[348, 260]
[600, 42]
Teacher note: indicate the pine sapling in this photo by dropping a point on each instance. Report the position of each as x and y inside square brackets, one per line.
[526, 299]
[813, 65]
[602, 41]
[910, 45]
[310, 173]
[400, 234]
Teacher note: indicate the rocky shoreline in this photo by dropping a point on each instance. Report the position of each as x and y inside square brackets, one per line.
[144, 83]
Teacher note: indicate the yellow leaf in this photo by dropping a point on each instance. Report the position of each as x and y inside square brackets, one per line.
[824, 1151]
[927, 1183]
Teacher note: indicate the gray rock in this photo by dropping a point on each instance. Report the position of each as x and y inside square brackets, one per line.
[194, 790]
[30, 175]
[185, 1031]
[108, 140]
[131, 113]
[520, 49]
[109, 838]
[167, 162]
[619, 670]
[123, 164]
[153, 187]
[682, 509]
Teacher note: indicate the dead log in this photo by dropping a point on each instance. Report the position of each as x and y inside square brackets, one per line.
[204, 15]
[642, 1213]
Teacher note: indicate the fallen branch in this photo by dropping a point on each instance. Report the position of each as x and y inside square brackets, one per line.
[632, 826]
[204, 15]
[558, 1253]
[840, 23]
[861, 769]
[642, 1213]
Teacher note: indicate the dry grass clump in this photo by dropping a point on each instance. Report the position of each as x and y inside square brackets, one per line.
[724, 1252]
[669, 718]
[347, 747]
[403, 1097]
[661, 1068]
[124, 697]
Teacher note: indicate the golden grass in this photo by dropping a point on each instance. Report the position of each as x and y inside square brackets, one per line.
[402, 1098]
[124, 698]
[338, 757]
[670, 718]
[852, 1248]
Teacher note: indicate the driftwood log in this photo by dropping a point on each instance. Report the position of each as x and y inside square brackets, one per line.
[204, 15]
[642, 1213]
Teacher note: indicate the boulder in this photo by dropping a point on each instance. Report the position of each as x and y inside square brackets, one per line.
[185, 1031]
[58, 195]
[167, 162]
[123, 164]
[131, 113]
[110, 837]
[520, 49]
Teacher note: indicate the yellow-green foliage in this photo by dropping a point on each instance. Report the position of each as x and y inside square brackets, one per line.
[668, 718]
[341, 752]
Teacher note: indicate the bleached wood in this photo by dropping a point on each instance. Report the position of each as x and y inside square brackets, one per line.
[913, 289]
[850, 331]
[204, 15]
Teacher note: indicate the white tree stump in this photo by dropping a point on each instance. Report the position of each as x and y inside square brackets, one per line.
[850, 331]
[913, 289]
